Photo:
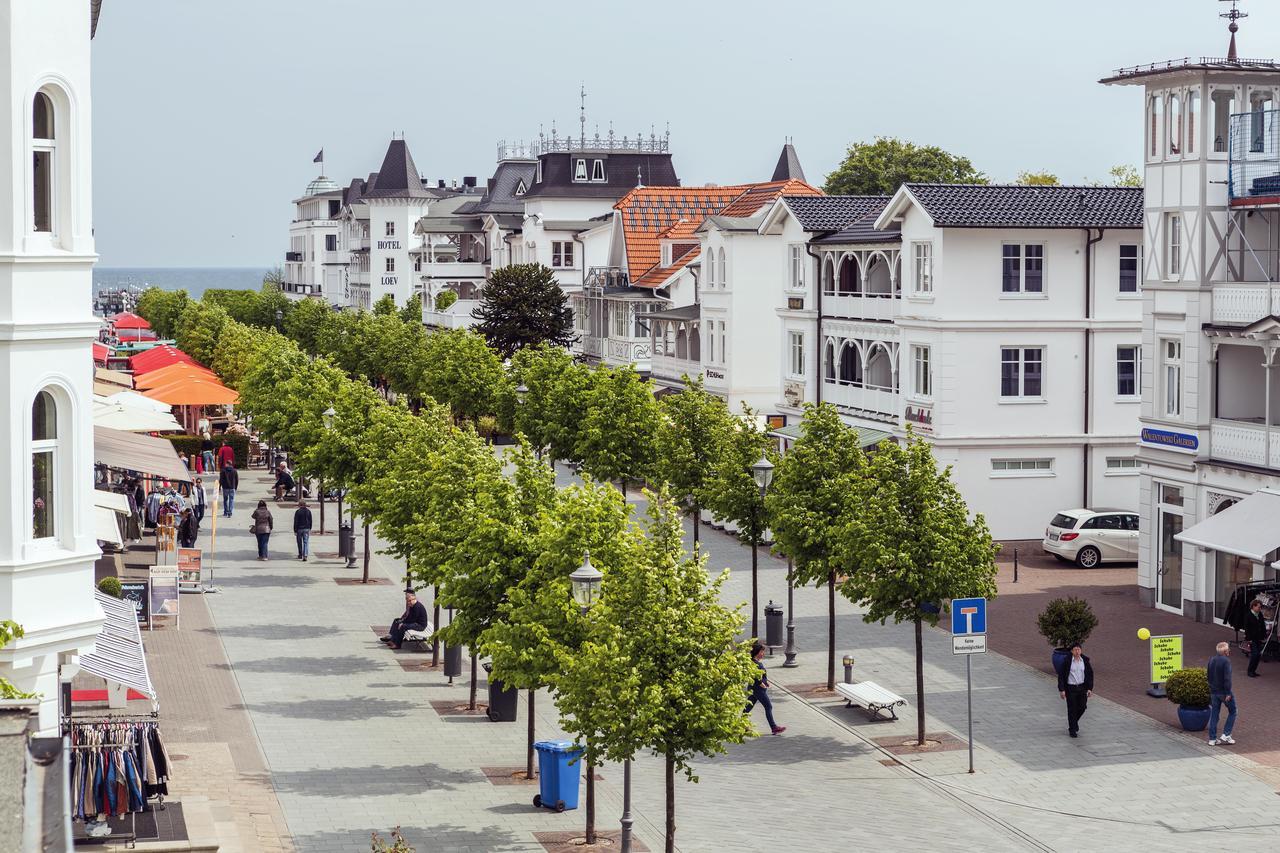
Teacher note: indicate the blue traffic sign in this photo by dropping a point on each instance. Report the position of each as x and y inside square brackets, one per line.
[968, 616]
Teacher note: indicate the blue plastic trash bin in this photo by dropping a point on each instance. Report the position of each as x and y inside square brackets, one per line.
[558, 773]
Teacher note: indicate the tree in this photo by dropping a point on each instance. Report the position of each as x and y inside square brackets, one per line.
[460, 371]
[10, 631]
[238, 349]
[732, 494]
[909, 547]
[1038, 179]
[307, 323]
[411, 313]
[385, 306]
[523, 305]
[806, 505]
[539, 369]
[570, 393]
[660, 668]
[695, 425]
[1124, 176]
[162, 308]
[199, 329]
[620, 427]
[880, 167]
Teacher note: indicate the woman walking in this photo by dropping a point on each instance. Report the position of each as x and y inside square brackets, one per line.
[261, 527]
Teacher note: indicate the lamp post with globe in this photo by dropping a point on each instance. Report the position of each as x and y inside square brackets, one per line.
[762, 473]
[584, 584]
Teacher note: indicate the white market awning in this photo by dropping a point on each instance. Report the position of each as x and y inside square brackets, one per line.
[117, 654]
[105, 526]
[134, 419]
[1249, 529]
[139, 401]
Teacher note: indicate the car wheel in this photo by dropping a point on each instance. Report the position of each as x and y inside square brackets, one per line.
[1088, 557]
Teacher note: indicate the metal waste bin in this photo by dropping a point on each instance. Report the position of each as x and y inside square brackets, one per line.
[558, 775]
[452, 661]
[346, 541]
[502, 699]
[772, 625]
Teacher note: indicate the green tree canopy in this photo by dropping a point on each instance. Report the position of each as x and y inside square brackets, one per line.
[162, 308]
[521, 306]
[460, 371]
[695, 425]
[1038, 179]
[880, 167]
[619, 431]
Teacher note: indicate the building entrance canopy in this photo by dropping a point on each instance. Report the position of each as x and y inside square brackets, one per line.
[1248, 529]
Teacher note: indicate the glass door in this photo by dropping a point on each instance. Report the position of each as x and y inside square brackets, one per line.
[1169, 585]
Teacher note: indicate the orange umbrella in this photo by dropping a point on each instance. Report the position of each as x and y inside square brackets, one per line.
[170, 374]
[195, 391]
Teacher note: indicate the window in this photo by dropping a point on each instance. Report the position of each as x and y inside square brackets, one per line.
[1193, 120]
[1129, 255]
[922, 370]
[1021, 371]
[597, 170]
[331, 242]
[562, 254]
[1170, 495]
[620, 313]
[641, 325]
[391, 264]
[1122, 465]
[1155, 110]
[797, 267]
[724, 274]
[1022, 467]
[44, 465]
[922, 280]
[1128, 372]
[391, 229]
[417, 263]
[1224, 104]
[521, 189]
[797, 353]
[1175, 125]
[1022, 268]
[43, 145]
[580, 169]
[1171, 353]
[538, 173]
[1173, 245]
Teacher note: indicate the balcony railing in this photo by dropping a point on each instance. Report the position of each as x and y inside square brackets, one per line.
[1254, 151]
[861, 307]
[874, 402]
[1242, 304]
[1245, 443]
[459, 315]
[674, 369]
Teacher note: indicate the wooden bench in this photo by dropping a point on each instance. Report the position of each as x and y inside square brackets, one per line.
[422, 638]
[871, 697]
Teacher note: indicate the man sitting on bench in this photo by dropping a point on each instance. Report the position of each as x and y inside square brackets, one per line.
[414, 618]
[284, 481]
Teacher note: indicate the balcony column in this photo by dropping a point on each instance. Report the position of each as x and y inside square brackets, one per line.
[1266, 400]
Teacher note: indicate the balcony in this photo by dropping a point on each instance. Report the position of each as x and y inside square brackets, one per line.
[293, 256]
[1245, 303]
[459, 315]
[865, 307]
[1254, 152]
[869, 401]
[673, 370]
[1245, 443]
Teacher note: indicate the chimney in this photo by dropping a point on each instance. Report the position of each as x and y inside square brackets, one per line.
[469, 181]
[440, 183]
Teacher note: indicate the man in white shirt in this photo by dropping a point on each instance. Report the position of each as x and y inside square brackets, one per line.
[1075, 685]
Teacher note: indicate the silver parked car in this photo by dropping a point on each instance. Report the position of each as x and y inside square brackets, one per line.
[1090, 537]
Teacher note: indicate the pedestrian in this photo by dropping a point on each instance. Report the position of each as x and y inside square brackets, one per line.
[414, 618]
[758, 691]
[206, 450]
[199, 498]
[1075, 684]
[1255, 631]
[187, 529]
[302, 529]
[228, 481]
[186, 463]
[261, 528]
[226, 456]
[1219, 671]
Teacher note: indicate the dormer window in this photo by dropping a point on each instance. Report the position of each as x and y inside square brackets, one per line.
[597, 170]
[521, 189]
[580, 169]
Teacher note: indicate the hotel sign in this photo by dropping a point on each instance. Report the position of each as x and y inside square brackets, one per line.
[1173, 440]
[389, 245]
[920, 417]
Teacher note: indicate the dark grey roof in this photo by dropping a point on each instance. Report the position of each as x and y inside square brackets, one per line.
[398, 177]
[862, 231]
[788, 168]
[684, 312]
[1024, 206]
[623, 171]
[500, 194]
[832, 212]
[95, 9]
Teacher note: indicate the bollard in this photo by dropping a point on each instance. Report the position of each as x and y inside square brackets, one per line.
[1015, 565]
[848, 669]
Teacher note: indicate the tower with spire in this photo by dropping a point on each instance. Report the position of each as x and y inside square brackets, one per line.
[1209, 452]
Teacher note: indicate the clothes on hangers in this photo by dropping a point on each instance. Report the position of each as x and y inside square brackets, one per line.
[116, 767]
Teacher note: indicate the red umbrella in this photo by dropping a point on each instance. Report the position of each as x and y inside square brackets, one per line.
[158, 357]
[129, 320]
[100, 352]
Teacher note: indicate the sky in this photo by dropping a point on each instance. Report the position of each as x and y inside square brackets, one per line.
[207, 115]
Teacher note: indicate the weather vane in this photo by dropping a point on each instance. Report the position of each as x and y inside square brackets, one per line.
[1233, 15]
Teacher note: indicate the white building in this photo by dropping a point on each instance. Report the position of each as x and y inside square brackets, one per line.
[47, 540]
[1210, 447]
[314, 262]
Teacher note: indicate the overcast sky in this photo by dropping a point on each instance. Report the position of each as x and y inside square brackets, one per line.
[207, 115]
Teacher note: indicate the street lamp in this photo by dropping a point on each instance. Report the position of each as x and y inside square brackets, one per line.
[522, 391]
[279, 317]
[762, 473]
[327, 415]
[585, 587]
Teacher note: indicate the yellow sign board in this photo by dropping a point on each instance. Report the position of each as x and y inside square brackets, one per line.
[1166, 657]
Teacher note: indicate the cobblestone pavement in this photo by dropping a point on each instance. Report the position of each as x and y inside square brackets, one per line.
[353, 744]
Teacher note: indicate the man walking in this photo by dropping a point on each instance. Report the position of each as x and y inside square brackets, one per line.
[1219, 671]
[228, 481]
[1255, 631]
[302, 529]
[1075, 684]
[199, 498]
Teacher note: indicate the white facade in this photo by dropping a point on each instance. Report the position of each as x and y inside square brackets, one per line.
[314, 261]
[1209, 435]
[47, 544]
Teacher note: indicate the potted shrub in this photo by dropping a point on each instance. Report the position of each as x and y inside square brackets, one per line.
[1065, 622]
[111, 586]
[1189, 690]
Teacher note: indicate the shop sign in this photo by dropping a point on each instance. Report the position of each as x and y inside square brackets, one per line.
[164, 593]
[793, 393]
[138, 593]
[920, 417]
[1167, 438]
[714, 374]
[189, 567]
[1166, 657]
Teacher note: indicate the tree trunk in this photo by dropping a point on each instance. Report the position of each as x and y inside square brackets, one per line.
[435, 622]
[671, 805]
[591, 803]
[831, 630]
[919, 683]
[624, 488]
[697, 522]
[320, 496]
[339, 508]
[472, 705]
[366, 553]
[529, 772]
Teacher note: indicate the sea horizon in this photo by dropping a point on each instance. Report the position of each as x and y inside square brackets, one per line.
[194, 280]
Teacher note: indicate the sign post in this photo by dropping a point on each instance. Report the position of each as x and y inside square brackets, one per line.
[1166, 659]
[969, 638]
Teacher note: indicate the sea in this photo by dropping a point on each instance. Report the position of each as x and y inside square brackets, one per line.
[194, 280]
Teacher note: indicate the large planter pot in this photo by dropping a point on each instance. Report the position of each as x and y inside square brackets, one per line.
[1193, 719]
[1060, 658]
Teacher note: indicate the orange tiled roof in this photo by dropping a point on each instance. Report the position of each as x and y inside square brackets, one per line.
[653, 214]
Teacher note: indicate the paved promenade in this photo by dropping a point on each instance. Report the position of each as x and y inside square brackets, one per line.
[354, 745]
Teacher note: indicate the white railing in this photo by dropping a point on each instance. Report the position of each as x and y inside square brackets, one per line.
[669, 367]
[861, 307]
[1246, 443]
[1241, 304]
[459, 315]
[883, 402]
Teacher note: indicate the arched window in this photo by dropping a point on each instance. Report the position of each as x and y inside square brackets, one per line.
[1175, 124]
[1193, 120]
[44, 151]
[829, 356]
[828, 276]
[1155, 112]
[724, 277]
[44, 465]
[711, 267]
[695, 344]
[850, 364]
[849, 280]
